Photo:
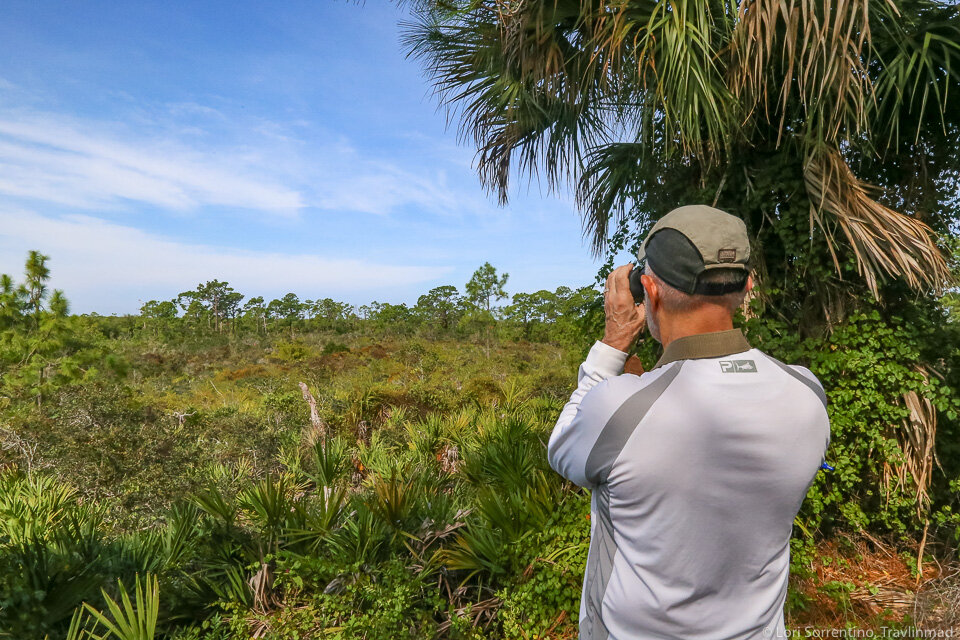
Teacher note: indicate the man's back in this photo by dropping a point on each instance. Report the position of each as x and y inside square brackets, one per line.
[698, 469]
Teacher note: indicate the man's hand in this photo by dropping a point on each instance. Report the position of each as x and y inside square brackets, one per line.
[634, 366]
[625, 319]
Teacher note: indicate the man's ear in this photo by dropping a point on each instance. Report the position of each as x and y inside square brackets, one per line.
[650, 286]
[749, 283]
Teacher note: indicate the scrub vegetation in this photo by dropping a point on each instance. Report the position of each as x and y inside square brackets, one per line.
[222, 467]
[217, 470]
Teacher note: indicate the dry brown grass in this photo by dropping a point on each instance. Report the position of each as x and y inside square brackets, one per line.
[886, 588]
[937, 605]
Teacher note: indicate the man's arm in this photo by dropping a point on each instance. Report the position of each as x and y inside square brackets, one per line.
[577, 430]
[574, 434]
[817, 388]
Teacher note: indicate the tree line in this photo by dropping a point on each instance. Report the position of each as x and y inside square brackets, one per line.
[43, 346]
[214, 306]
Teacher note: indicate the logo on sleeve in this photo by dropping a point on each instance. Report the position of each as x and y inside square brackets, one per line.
[738, 366]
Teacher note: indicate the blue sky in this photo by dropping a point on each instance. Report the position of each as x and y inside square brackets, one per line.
[290, 146]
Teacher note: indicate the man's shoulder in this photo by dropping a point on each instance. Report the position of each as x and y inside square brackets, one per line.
[616, 390]
[799, 373]
[787, 366]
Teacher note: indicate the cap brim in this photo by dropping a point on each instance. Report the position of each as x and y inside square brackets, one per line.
[642, 253]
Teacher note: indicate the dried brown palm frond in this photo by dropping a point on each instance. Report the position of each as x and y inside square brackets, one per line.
[816, 49]
[885, 242]
[483, 613]
[877, 599]
[261, 585]
[917, 441]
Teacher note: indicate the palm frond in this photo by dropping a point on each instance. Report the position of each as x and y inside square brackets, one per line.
[362, 538]
[317, 517]
[885, 242]
[329, 462]
[521, 88]
[920, 65]
[610, 182]
[393, 498]
[809, 50]
[128, 619]
[917, 441]
[478, 550]
[215, 504]
[271, 504]
[676, 52]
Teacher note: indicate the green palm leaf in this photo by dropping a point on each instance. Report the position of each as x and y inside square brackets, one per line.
[920, 68]
[134, 619]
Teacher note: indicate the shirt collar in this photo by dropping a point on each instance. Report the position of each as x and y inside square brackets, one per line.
[704, 345]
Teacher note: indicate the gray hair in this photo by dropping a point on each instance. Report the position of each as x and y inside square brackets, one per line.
[675, 301]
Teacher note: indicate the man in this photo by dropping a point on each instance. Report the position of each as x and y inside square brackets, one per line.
[699, 466]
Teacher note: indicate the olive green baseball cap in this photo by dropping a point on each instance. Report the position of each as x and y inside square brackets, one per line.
[692, 240]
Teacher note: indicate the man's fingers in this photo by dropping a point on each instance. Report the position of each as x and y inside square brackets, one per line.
[624, 320]
[612, 282]
[610, 291]
[616, 276]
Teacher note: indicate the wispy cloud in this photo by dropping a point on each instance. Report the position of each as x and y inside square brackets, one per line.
[369, 186]
[191, 156]
[107, 266]
[54, 158]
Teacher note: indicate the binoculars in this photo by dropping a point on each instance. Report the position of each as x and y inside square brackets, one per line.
[636, 287]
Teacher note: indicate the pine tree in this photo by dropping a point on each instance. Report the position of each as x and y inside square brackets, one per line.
[485, 286]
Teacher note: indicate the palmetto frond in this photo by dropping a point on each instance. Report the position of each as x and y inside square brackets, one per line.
[131, 618]
[608, 185]
[884, 242]
[676, 47]
[809, 51]
[520, 85]
[919, 71]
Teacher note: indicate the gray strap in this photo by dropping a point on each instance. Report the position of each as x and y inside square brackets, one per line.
[817, 389]
[622, 424]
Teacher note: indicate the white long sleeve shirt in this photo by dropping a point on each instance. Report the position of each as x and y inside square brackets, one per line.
[698, 469]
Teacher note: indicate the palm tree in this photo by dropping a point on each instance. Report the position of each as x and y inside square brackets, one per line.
[783, 112]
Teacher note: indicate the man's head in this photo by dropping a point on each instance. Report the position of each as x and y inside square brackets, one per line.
[696, 267]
